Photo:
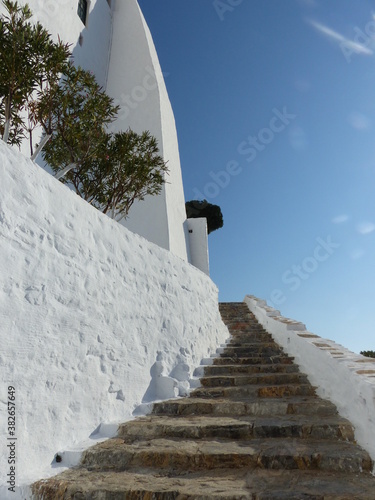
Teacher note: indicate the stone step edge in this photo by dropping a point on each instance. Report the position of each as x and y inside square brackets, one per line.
[261, 391]
[281, 454]
[223, 484]
[219, 407]
[256, 376]
[203, 427]
[253, 369]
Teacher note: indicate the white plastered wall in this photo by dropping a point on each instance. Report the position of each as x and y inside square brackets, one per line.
[198, 242]
[136, 82]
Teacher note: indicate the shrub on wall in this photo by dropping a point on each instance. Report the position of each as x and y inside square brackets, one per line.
[40, 87]
[29, 61]
[368, 354]
[128, 168]
[74, 115]
[196, 209]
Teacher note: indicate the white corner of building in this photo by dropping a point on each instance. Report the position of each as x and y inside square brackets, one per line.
[198, 243]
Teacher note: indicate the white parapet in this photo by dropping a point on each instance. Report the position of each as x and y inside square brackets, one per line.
[198, 243]
[345, 378]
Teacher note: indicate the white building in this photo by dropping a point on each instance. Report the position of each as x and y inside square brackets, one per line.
[112, 39]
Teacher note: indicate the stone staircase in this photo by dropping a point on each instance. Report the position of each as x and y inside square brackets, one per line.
[255, 429]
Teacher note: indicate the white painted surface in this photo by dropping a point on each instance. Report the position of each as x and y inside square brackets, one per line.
[198, 243]
[61, 19]
[339, 374]
[136, 82]
[86, 308]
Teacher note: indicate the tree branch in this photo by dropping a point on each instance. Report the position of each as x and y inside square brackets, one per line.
[65, 170]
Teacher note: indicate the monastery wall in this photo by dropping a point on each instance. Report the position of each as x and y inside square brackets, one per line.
[117, 46]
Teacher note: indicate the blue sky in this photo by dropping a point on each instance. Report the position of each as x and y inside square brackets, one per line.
[275, 110]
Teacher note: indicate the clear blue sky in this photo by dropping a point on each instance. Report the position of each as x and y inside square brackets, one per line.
[275, 110]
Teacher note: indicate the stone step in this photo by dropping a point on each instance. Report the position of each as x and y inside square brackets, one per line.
[143, 483]
[234, 309]
[239, 328]
[251, 391]
[203, 427]
[215, 485]
[307, 485]
[241, 340]
[239, 323]
[254, 379]
[266, 350]
[253, 360]
[250, 332]
[213, 370]
[266, 407]
[252, 344]
[286, 454]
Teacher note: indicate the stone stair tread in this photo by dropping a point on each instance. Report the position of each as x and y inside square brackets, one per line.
[200, 427]
[242, 406]
[307, 485]
[255, 391]
[223, 484]
[253, 349]
[278, 453]
[252, 360]
[224, 370]
[248, 345]
[253, 379]
[251, 333]
[197, 420]
[253, 340]
[145, 484]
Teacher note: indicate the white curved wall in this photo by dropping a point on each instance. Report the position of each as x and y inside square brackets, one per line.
[136, 82]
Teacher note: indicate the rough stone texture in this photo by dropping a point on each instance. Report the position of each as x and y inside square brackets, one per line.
[254, 430]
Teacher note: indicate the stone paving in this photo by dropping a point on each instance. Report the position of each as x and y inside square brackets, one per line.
[255, 429]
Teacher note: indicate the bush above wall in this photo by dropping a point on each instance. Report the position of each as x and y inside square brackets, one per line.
[196, 209]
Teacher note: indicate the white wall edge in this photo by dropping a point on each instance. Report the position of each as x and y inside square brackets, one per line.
[198, 243]
[341, 376]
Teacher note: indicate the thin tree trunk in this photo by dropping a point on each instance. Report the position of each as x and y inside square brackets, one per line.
[6, 131]
[65, 170]
[31, 142]
[8, 116]
[43, 142]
